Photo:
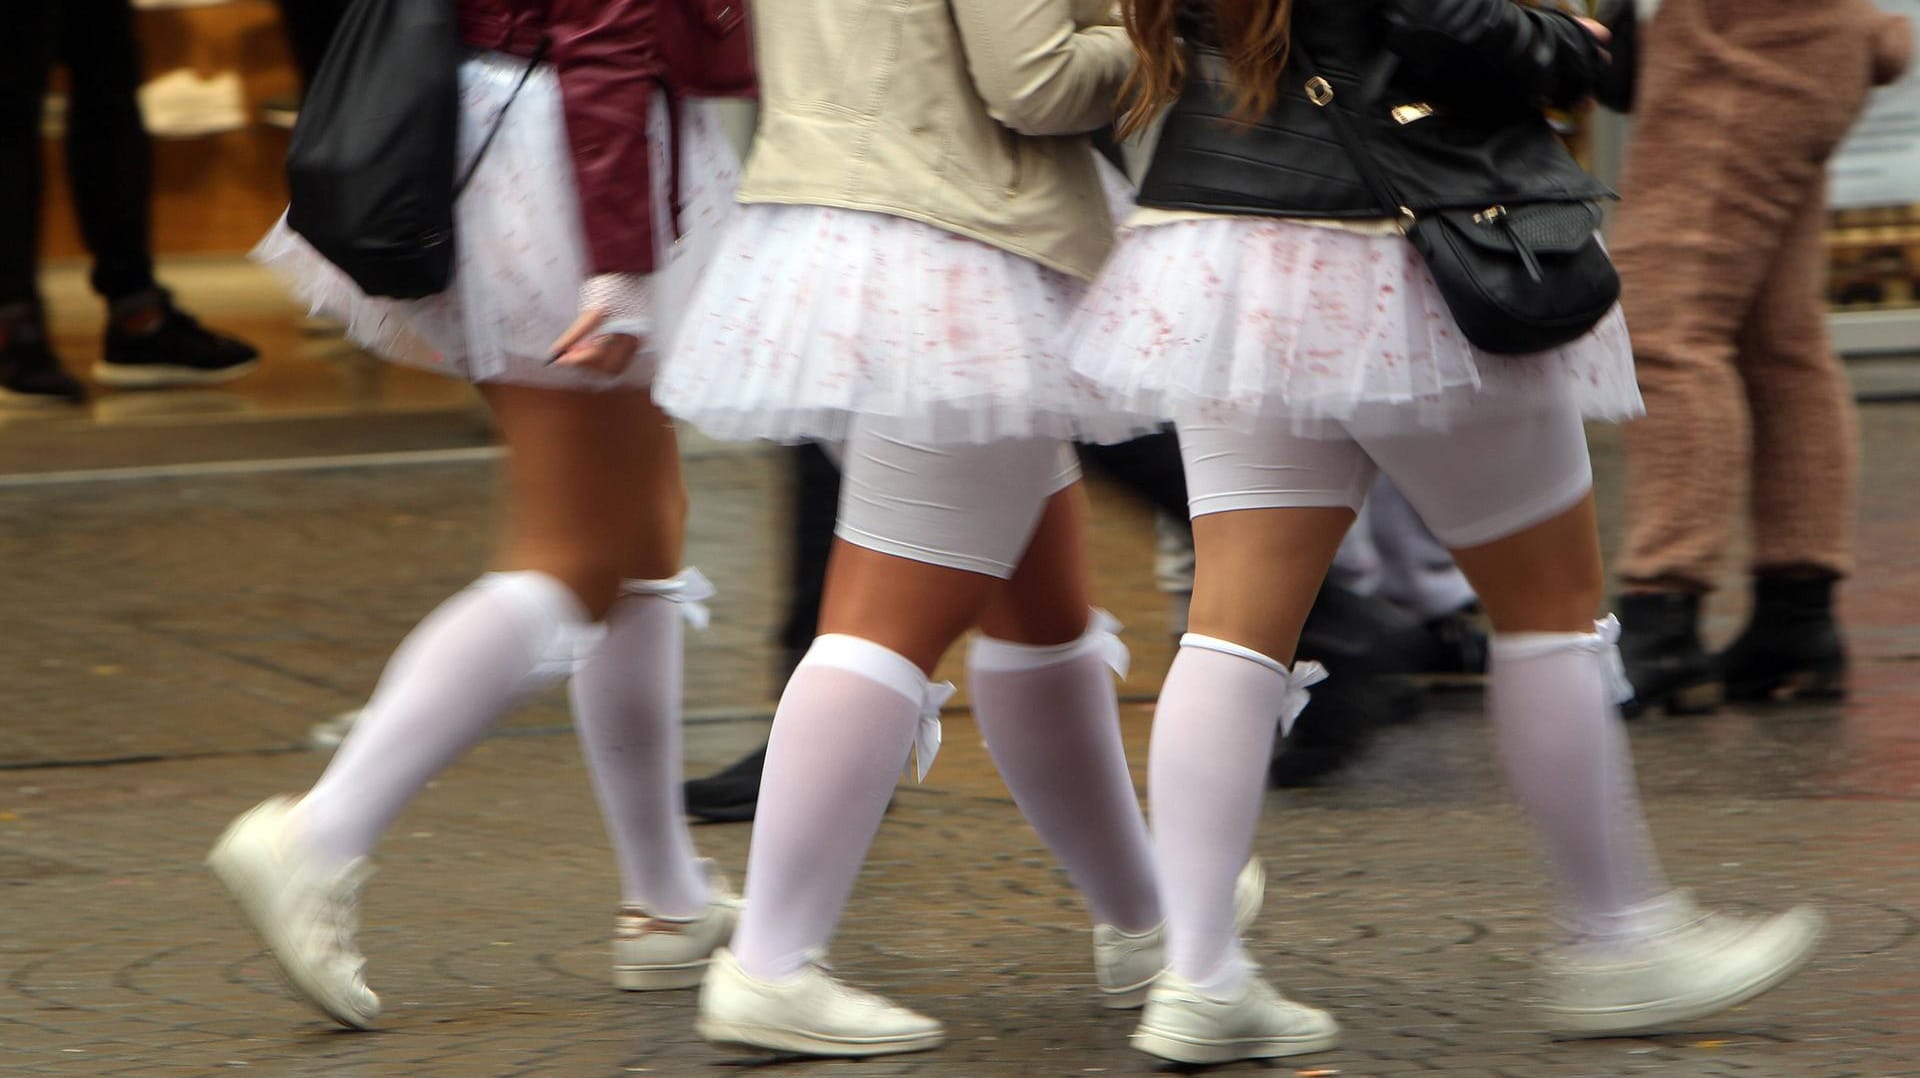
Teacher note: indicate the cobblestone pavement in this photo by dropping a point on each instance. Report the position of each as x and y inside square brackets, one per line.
[167, 643]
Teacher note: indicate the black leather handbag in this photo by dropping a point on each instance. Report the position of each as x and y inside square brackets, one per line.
[1518, 279]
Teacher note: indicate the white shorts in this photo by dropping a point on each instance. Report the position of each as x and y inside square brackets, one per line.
[966, 506]
[1471, 484]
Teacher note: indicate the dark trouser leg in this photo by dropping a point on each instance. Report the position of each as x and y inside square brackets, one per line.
[816, 502]
[109, 161]
[26, 45]
[1148, 467]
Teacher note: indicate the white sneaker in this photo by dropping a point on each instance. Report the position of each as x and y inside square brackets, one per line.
[1184, 1025]
[809, 1013]
[307, 912]
[1125, 964]
[652, 953]
[181, 104]
[1702, 964]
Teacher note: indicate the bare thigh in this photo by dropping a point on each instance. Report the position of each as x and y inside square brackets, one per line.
[1257, 571]
[594, 491]
[933, 540]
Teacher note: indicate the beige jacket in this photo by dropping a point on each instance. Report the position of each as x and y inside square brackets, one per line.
[965, 114]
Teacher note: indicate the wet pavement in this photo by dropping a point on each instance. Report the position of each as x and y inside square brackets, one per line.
[168, 640]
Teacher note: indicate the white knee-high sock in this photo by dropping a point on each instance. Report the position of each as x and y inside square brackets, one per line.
[1052, 725]
[460, 670]
[1220, 709]
[1553, 699]
[626, 707]
[842, 733]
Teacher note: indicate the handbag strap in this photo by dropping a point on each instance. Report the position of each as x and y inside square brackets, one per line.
[500, 118]
[1321, 93]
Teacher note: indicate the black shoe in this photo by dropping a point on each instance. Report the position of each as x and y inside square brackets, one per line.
[1666, 663]
[729, 795]
[1361, 634]
[1791, 648]
[179, 352]
[30, 374]
[1361, 641]
[1338, 724]
[1451, 650]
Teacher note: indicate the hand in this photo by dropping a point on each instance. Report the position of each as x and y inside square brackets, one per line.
[1601, 34]
[605, 353]
[1892, 50]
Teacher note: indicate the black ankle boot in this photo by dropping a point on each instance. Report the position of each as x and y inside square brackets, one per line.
[1791, 648]
[1667, 664]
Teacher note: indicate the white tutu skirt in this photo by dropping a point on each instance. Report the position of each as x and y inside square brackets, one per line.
[810, 316]
[521, 255]
[1225, 320]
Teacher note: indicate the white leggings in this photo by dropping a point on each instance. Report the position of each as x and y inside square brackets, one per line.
[962, 506]
[1472, 484]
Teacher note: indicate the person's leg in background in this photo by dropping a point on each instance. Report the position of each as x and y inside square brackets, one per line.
[1686, 290]
[29, 371]
[1148, 466]
[1805, 427]
[1736, 119]
[149, 342]
[1806, 464]
[730, 794]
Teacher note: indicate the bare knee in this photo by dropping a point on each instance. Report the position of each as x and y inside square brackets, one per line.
[660, 542]
[913, 608]
[596, 584]
[1545, 579]
[1007, 618]
[1549, 606]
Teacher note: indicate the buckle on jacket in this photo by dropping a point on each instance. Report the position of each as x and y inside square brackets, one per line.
[1406, 114]
[1320, 91]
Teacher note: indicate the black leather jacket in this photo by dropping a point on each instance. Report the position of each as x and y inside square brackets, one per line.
[1467, 79]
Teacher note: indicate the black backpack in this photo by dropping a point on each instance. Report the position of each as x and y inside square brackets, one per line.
[371, 167]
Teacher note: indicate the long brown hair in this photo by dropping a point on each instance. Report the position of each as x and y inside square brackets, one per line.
[1255, 35]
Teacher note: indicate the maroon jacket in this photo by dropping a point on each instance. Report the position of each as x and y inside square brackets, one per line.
[611, 57]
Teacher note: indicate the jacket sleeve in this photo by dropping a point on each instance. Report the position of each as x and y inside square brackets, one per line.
[606, 55]
[1038, 71]
[1496, 47]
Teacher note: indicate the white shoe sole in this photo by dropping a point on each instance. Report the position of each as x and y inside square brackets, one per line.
[1131, 998]
[1667, 1013]
[233, 864]
[798, 1042]
[132, 376]
[1180, 1049]
[659, 978]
